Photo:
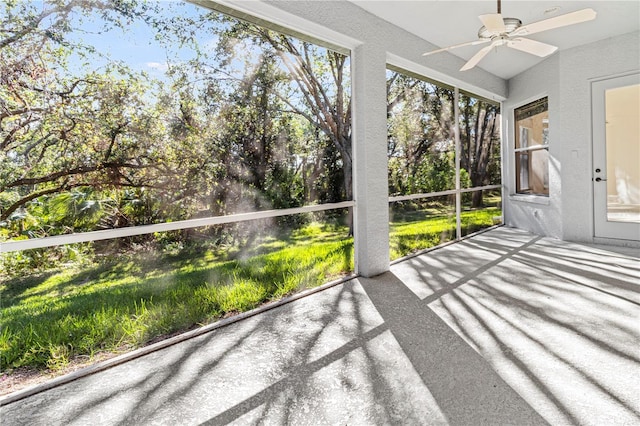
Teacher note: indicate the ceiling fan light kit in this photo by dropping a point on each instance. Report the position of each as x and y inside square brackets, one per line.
[509, 32]
[508, 26]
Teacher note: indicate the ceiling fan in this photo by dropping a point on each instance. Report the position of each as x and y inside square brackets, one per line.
[510, 31]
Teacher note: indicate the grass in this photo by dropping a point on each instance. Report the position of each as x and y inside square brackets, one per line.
[417, 230]
[51, 318]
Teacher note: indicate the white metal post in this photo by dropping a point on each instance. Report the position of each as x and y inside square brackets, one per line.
[456, 132]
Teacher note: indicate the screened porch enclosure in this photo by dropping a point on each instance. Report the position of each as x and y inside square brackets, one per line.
[142, 199]
[182, 184]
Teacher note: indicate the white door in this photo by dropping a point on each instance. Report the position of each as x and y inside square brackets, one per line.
[616, 157]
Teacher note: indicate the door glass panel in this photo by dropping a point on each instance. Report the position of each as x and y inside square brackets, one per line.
[623, 153]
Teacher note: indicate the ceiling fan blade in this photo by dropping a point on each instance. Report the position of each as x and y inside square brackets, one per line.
[478, 56]
[557, 22]
[531, 46]
[444, 49]
[493, 22]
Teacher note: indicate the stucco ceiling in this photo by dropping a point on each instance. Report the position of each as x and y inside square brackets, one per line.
[445, 23]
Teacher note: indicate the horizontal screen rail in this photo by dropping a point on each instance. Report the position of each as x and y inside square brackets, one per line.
[418, 196]
[83, 237]
[480, 188]
[441, 193]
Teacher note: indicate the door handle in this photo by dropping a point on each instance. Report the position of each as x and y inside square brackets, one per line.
[600, 179]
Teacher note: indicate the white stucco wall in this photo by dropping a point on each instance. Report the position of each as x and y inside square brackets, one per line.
[578, 67]
[540, 215]
[566, 78]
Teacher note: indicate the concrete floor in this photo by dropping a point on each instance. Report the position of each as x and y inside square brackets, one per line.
[505, 328]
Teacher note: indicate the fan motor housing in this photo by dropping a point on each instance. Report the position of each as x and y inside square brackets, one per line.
[510, 24]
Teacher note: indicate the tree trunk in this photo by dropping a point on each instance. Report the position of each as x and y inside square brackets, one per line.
[476, 199]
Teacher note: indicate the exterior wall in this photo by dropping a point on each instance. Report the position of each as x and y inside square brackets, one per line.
[566, 78]
[538, 214]
[375, 41]
[578, 67]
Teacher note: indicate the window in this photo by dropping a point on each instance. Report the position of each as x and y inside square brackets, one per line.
[532, 148]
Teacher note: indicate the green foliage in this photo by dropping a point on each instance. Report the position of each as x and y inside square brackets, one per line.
[27, 262]
[424, 228]
[421, 142]
[117, 304]
[124, 301]
[261, 121]
[94, 143]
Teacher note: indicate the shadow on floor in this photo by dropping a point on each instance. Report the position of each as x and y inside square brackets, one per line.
[467, 390]
[502, 329]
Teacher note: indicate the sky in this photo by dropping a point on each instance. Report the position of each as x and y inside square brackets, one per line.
[136, 44]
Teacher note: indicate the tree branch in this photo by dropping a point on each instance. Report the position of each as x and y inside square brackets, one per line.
[75, 171]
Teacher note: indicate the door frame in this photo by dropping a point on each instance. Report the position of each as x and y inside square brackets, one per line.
[602, 227]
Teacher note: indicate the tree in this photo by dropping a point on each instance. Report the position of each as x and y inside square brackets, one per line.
[321, 86]
[212, 133]
[480, 140]
[256, 133]
[59, 131]
[420, 142]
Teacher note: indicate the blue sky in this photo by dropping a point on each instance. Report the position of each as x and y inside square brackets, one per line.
[136, 44]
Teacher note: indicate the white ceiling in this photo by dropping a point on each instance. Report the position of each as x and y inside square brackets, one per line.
[445, 23]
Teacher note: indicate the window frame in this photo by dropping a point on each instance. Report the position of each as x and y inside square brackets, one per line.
[516, 192]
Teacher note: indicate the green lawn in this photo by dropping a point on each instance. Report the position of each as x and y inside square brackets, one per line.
[50, 318]
[422, 229]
